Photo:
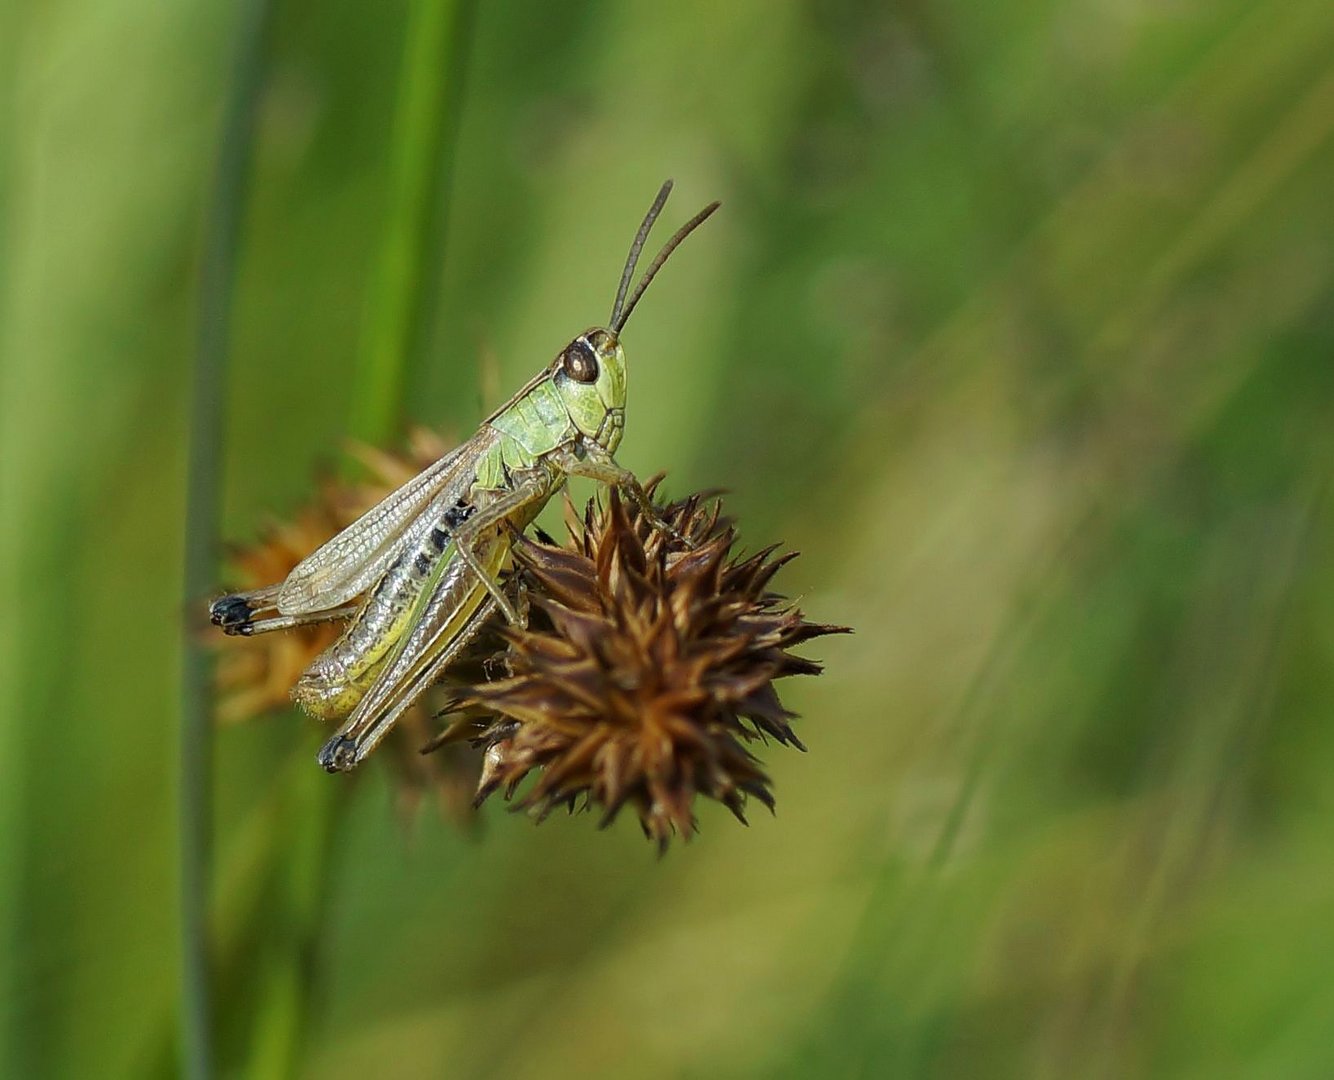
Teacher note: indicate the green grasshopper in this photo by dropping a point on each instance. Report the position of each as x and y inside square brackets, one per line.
[416, 576]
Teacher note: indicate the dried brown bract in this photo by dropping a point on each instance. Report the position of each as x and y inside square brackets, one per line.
[647, 667]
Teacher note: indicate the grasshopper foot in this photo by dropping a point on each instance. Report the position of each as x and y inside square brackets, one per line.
[678, 538]
[339, 754]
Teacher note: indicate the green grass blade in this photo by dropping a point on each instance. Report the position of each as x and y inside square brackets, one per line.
[428, 95]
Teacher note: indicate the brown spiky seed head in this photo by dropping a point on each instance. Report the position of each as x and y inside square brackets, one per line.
[647, 666]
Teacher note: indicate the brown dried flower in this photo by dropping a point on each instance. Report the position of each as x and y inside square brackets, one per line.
[646, 667]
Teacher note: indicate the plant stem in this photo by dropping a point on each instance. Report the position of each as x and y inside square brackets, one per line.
[216, 279]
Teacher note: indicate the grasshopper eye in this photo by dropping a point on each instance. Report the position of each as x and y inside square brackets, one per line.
[579, 363]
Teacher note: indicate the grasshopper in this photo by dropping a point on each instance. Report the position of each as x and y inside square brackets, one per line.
[416, 576]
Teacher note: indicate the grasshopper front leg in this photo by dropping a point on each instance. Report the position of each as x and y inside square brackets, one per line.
[596, 464]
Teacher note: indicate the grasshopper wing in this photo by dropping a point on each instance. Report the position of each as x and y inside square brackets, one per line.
[349, 563]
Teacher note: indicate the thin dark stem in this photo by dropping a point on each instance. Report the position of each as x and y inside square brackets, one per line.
[217, 272]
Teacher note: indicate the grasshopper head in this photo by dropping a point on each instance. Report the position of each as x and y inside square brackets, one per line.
[589, 375]
[590, 372]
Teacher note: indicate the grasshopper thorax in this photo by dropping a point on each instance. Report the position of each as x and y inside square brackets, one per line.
[589, 375]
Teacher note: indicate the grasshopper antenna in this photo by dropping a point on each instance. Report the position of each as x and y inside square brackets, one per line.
[620, 314]
[632, 260]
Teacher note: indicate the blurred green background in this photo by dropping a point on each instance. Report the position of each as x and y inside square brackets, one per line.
[1018, 321]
